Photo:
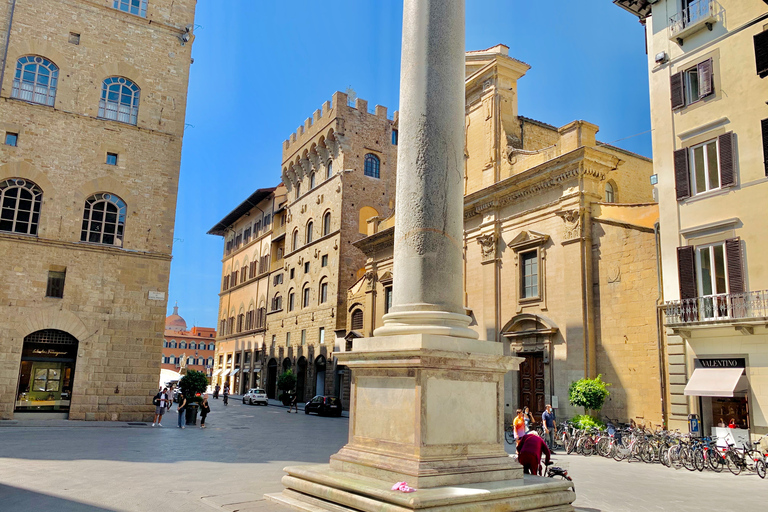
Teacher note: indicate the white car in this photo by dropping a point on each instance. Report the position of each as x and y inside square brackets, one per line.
[255, 396]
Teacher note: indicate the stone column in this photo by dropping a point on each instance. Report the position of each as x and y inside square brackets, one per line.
[429, 225]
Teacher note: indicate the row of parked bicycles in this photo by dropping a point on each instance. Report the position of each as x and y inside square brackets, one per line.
[672, 449]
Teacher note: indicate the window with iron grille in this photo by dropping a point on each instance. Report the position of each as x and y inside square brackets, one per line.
[35, 80]
[55, 286]
[119, 100]
[20, 202]
[103, 220]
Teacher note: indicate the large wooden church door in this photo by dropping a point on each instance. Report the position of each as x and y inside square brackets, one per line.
[532, 384]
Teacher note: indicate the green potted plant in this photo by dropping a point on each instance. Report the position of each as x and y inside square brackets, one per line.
[192, 386]
[286, 383]
[589, 394]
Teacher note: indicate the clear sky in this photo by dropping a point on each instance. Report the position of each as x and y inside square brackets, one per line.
[263, 66]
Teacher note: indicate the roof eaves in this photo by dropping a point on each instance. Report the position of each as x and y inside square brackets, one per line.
[240, 210]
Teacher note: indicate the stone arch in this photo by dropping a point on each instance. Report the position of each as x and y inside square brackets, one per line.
[105, 184]
[366, 212]
[526, 322]
[52, 318]
[27, 171]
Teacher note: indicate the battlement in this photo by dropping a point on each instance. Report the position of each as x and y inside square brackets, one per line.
[322, 117]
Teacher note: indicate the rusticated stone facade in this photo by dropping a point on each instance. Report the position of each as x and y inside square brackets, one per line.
[79, 150]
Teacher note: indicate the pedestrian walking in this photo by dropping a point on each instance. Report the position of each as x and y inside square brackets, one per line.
[527, 418]
[182, 409]
[519, 426]
[216, 392]
[530, 448]
[161, 402]
[294, 405]
[549, 422]
[226, 394]
[204, 410]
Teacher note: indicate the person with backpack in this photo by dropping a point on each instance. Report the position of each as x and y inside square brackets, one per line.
[181, 409]
[161, 402]
[204, 410]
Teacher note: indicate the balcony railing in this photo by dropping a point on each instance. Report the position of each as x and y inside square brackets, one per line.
[721, 308]
[698, 15]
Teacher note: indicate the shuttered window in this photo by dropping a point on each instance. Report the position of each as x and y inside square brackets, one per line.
[707, 166]
[686, 272]
[691, 85]
[735, 266]
[727, 160]
[357, 320]
[761, 53]
[676, 90]
[710, 270]
[765, 144]
[682, 179]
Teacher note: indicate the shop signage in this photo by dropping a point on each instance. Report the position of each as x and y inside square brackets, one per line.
[49, 351]
[723, 362]
[156, 295]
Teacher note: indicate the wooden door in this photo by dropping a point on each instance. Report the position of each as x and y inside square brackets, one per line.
[532, 384]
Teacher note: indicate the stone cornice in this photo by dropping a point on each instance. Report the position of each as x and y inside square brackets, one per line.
[582, 162]
[83, 246]
[384, 238]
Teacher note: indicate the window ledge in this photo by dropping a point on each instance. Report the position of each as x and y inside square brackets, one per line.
[706, 195]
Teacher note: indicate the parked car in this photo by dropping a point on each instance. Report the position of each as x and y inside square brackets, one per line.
[324, 405]
[255, 396]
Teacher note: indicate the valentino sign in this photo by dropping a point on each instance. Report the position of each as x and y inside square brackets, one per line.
[728, 362]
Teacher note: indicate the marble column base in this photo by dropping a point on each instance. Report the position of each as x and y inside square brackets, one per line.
[319, 487]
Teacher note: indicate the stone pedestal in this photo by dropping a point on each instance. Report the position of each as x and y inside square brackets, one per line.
[428, 410]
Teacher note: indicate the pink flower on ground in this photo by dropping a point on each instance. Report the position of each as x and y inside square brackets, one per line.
[402, 487]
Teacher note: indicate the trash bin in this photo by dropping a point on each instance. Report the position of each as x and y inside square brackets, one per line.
[694, 426]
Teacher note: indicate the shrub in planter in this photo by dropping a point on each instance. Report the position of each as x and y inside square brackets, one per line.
[192, 386]
[582, 421]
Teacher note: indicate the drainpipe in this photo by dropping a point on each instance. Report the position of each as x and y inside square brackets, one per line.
[7, 44]
[589, 302]
[660, 310]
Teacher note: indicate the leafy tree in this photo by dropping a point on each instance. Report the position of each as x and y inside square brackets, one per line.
[286, 381]
[588, 393]
[192, 383]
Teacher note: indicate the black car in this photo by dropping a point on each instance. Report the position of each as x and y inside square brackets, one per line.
[324, 405]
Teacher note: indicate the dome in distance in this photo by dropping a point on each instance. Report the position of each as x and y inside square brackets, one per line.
[174, 322]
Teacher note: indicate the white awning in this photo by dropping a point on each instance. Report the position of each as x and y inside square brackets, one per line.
[224, 373]
[246, 370]
[235, 371]
[713, 381]
[216, 372]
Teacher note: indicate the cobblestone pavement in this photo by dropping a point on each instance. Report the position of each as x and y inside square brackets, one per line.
[95, 467]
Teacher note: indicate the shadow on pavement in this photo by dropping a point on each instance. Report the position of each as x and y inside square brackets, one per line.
[15, 499]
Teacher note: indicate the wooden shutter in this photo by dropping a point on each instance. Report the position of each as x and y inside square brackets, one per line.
[705, 78]
[761, 53]
[676, 90]
[735, 267]
[682, 176]
[686, 272]
[764, 122]
[727, 160]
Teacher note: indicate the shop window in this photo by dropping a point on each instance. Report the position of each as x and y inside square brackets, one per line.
[47, 370]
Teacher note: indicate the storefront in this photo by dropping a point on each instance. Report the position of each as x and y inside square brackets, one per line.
[47, 372]
[722, 389]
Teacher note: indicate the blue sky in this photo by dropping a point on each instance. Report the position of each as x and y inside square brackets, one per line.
[262, 67]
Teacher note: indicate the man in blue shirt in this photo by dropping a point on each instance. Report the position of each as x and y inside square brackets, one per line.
[548, 420]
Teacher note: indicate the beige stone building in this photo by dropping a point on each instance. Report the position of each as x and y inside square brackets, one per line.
[339, 172]
[248, 231]
[93, 105]
[560, 253]
[707, 66]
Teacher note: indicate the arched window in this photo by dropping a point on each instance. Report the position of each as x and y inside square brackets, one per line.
[357, 320]
[326, 223]
[193, 345]
[182, 344]
[371, 165]
[295, 240]
[137, 7]
[210, 361]
[103, 220]
[277, 302]
[191, 360]
[311, 181]
[305, 296]
[308, 237]
[173, 344]
[211, 346]
[291, 300]
[20, 201]
[35, 80]
[119, 100]
[323, 292]
[329, 169]
[610, 193]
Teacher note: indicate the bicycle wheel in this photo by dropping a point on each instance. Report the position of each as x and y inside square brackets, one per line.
[760, 468]
[509, 436]
[604, 446]
[588, 447]
[646, 452]
[570, 444]
[674, 457]
[620, 451]
[698, 458]
[686, 458]
[715, 460]
[734, 463]
[663, 455]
